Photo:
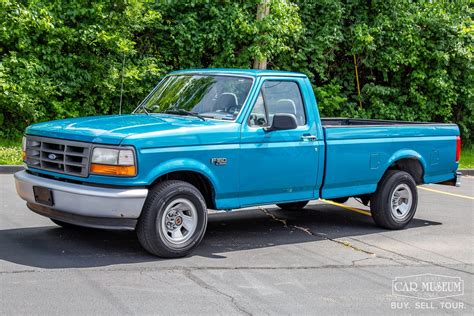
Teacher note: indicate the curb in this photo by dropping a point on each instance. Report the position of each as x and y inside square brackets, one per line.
[467, 172]
[6, 169]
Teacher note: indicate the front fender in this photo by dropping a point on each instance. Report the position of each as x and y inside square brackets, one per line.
[182, 164]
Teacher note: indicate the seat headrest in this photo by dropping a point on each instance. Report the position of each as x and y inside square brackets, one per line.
[225, 101]
[285, 106]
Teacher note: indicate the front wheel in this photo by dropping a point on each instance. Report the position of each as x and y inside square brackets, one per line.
[394, 203]
[173, 219]
[294, 206]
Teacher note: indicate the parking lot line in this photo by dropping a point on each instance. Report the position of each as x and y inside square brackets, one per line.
[448, 193]
[350, 208]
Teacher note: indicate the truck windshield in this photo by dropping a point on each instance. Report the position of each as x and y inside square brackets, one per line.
[212, 96]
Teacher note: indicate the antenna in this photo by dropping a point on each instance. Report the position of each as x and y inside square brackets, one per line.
[121, 85]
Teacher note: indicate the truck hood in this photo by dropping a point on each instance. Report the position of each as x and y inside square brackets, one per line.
[112, 129]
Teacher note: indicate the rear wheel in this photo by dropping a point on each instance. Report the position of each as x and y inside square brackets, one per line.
[394, 203]
[173, 219]
[294, 206]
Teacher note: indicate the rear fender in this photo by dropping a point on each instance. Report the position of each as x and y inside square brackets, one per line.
[406, 154]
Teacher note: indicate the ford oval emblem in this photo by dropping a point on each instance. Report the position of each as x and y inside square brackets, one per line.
[52, 156]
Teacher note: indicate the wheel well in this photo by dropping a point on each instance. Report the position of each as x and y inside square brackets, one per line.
[198, 180]
[410, 165]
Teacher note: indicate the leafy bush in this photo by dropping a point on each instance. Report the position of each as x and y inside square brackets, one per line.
[64, 58]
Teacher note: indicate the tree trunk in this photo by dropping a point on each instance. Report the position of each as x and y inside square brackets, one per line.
[263, 9]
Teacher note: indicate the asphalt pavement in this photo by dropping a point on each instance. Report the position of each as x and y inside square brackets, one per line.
[325, 259]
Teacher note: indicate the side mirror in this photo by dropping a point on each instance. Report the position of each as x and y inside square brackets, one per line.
[282, 121]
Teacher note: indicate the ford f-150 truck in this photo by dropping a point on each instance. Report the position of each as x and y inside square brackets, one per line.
[226, 139]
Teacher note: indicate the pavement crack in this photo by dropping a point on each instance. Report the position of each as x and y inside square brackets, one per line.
[308, 231]
[277, 219]
[201, 283]
[105, 293]
[145, 270]
[414, 259]
[422, 249]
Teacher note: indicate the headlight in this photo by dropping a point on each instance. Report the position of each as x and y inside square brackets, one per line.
[23, 148]
[116, 162]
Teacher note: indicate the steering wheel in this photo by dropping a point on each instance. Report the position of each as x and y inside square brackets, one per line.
[232, 109]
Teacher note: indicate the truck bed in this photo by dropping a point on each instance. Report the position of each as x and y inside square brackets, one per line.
[358, 151]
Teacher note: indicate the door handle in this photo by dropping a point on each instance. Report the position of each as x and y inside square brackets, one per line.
[309, 138]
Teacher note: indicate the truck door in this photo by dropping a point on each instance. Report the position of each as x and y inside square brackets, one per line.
[280, 165]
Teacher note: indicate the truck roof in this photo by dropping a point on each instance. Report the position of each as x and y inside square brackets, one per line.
[242, 72]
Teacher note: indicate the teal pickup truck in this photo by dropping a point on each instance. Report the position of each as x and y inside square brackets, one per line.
[226, 139]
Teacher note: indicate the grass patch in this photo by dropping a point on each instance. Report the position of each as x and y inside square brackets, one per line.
[467, 158]
[10, 152]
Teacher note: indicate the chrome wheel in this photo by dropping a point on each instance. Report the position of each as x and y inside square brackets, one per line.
[401, 201]
[179, 221]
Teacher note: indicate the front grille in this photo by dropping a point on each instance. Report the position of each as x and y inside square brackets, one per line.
[58, 155]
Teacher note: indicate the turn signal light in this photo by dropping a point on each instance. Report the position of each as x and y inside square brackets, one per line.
[113, 170]
[112, 161]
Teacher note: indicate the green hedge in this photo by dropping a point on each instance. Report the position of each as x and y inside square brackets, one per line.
[64, 58]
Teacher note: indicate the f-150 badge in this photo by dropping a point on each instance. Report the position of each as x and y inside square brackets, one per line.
[219, 161]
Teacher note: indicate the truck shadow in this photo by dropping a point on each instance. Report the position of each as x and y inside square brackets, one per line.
[52, 247]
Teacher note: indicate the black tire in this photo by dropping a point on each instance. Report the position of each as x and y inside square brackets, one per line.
[64, 224]
[340, 200]
[381, 200]
[150, 231]
[294, 206]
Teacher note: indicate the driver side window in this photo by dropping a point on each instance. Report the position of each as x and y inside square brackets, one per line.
[277, 97]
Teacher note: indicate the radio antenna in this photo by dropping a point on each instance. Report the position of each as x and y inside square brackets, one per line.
[121, 85]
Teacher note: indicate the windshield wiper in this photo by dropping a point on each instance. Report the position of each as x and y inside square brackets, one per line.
[184, 112]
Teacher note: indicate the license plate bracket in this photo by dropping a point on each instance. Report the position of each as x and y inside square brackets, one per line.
[43, 195]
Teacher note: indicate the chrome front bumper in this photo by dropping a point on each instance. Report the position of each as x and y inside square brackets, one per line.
[83, 205]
